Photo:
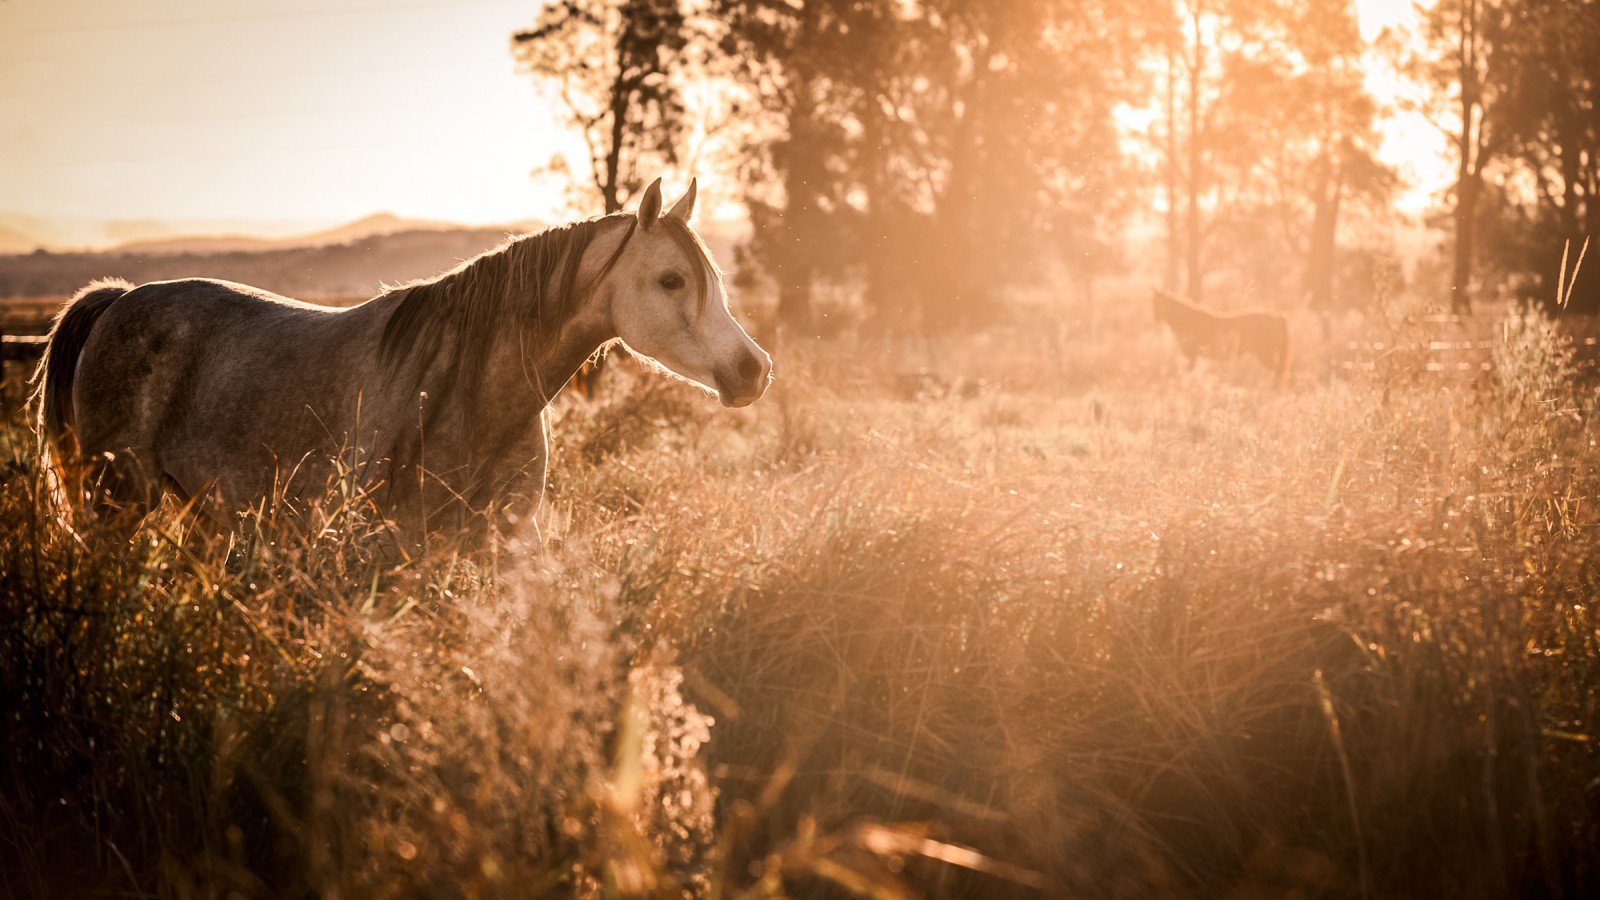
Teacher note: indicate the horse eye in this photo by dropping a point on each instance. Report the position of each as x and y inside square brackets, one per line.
[672, 281]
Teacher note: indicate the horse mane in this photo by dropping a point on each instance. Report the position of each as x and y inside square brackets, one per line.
[527, 279]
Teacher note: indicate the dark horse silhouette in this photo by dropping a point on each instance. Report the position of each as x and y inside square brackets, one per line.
[1202, 331]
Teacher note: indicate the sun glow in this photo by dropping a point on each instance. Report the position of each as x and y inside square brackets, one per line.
[301, 110]
[1411, 142]
[214, 111]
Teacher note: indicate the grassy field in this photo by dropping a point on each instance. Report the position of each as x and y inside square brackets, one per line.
[1029, 612]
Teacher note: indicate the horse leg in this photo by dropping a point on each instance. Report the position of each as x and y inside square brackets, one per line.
[121, 470]
[122, 392]
[127, 480]
[1191, 353]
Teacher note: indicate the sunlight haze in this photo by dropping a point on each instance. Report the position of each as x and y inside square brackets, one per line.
[1003, 449]
[298, 113]
[295, 110]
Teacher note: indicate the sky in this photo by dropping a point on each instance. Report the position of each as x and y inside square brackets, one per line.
[311, 110]
[304, 111]
[1415, 147]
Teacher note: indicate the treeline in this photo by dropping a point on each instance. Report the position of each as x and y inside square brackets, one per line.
[933, 152]
[1521, 81]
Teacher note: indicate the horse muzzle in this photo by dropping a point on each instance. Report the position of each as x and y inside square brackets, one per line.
[745, 381]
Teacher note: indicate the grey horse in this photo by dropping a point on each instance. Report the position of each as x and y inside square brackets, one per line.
[433, 392]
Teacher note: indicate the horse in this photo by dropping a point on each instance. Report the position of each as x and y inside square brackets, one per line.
[1202, 331]
[433, 392]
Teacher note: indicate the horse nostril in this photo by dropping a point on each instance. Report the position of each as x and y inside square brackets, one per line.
[749, 367]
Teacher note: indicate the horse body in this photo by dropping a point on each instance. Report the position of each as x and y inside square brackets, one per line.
[433, 391]
[1202, 331]
[202, 385]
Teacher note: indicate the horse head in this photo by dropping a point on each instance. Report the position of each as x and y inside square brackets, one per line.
[665, 298]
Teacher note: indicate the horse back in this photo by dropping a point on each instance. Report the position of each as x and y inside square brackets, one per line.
[189, 340]
[189, 373]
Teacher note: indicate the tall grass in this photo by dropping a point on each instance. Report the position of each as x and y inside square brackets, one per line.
[1050, 618]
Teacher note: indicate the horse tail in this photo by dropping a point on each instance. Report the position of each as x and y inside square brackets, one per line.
[58, 368]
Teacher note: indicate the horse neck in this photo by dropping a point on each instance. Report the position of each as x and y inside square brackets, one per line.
[529, 365]
[1183, 313]
[479, 424]
[534, 358]
[510, 323]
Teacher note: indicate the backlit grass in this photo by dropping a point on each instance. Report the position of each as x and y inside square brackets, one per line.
[1011, 613]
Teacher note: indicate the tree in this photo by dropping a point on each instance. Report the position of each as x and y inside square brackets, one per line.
[1189, 36]
[1196, 20]
[1023, 151]
[1269, 132]
[1548, 123]
[929, 146]
[613, 65]
[781, 54]
[1460, 65]
[1316, 110]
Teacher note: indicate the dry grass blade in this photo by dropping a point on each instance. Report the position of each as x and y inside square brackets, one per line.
[888, 841]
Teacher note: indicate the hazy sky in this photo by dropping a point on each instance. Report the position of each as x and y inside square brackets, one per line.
[290, 109]
[302, 110]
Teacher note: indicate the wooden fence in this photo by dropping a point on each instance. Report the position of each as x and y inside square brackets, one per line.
[23, 324]
[1447, 348]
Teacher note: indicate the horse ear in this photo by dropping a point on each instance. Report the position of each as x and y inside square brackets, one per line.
[684, 208]
[650, 205]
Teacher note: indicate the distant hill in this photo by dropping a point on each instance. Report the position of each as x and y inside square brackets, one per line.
[20, 232]
[218, 243]
[375, 225]
[354, 268]
[332, 271]
[371, 226]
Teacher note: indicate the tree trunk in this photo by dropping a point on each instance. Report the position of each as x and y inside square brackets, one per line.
[794, 285]
[1470, 167]
[794, 260]
[611, 191]
[1169, 280]
[1323, 255]
[885, 298]
[1466, 236]
[1196, 286]
[964, 266]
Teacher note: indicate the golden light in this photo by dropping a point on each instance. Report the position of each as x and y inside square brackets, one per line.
[295, 112]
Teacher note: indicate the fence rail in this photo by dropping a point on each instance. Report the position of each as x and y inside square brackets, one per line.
[1424, 352]
[23, 326]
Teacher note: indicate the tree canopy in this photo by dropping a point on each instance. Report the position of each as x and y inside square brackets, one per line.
[929, 154]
